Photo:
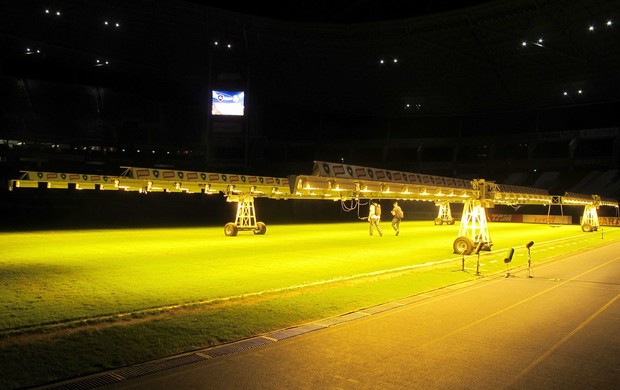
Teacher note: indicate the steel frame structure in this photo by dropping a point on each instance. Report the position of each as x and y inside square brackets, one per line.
[336, 182]
[445, 214]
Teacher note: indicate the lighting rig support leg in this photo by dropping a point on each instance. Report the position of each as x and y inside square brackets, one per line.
[246, 217]
[473, 230]
[445, 214]
[555, 201]
[246, 213]
[589, 221]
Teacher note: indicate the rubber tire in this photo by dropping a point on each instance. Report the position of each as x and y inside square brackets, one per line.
[451, 221]
[261, 228]
[438, 221]
[463, 245]
[586, 227]
[230, 229]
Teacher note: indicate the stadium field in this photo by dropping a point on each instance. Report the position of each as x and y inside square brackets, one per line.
[77, 302]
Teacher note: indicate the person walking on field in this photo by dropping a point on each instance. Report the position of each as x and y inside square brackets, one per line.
[374, 217]
[397, 215]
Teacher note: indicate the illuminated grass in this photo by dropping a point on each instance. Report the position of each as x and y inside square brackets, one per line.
[182, 289]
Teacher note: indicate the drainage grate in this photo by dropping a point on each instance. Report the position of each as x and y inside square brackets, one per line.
[87, 383]
[236, 347]
[296, 331]
[157, 366]
[119, 375]
[343, 318]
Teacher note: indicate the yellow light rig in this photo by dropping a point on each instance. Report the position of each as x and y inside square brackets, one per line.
[336, 182]
[241, 189]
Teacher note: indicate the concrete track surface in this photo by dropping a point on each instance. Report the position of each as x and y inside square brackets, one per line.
[559, 329]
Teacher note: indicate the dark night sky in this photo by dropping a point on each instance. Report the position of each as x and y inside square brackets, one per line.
[339, 11]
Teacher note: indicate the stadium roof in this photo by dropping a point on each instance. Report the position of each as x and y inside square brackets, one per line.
[355, 58]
